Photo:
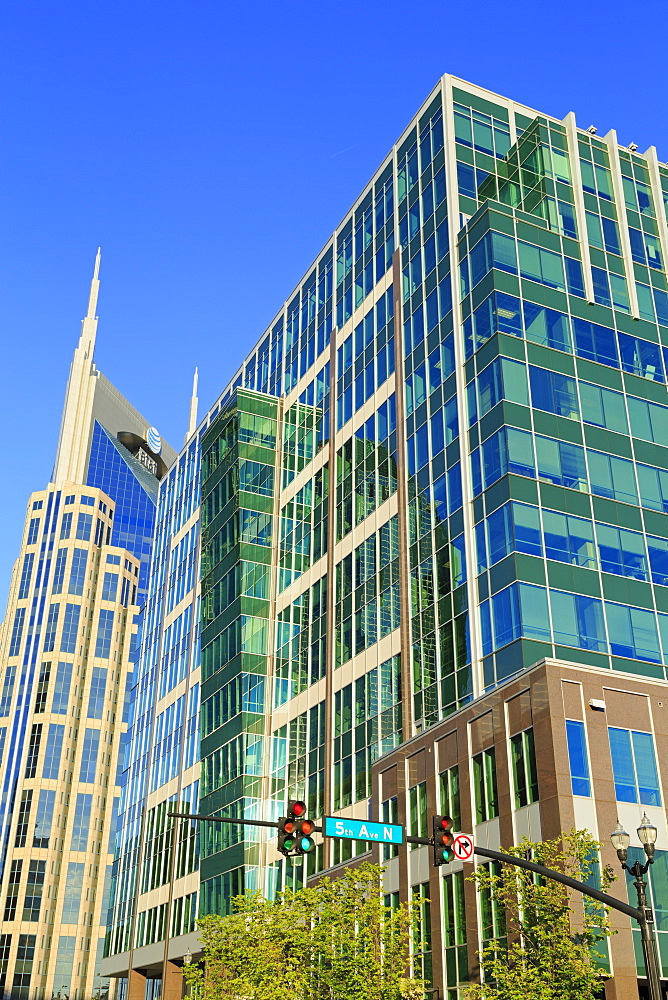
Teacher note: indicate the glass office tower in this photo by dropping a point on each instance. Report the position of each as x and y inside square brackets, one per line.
[66, 656]
[441, 464]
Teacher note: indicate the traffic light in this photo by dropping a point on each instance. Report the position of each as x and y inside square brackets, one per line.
[286, 835]
[294, 831]
[443, 840]
[303, 830]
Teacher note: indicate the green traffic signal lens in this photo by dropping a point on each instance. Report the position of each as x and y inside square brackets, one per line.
[306, 844]
[288, 844]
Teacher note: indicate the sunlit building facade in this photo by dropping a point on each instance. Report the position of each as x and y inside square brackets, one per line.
[66, 655]
[442, 464]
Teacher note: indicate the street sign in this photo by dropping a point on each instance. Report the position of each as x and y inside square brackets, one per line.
[463, 847]
[356, 829]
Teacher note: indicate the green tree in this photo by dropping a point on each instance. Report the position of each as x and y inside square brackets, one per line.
[553, 935]
[336, 940]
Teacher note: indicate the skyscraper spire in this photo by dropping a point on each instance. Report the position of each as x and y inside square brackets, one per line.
[192, 417]
[89, 322]
[75, 425]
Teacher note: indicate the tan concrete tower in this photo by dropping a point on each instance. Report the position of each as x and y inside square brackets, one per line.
[66, 654]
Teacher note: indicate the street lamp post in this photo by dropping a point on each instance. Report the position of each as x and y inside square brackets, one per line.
[620, 841]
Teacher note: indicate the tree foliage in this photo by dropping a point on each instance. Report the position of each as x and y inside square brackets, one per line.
[550, 948]
[333, 941]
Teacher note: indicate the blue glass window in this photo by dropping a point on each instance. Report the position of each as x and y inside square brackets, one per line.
[78, 572]
[7, 690]
[649, 421]
[84, 525]
[54, 748]
[68, 641]
[33, 531]
[89, 753]
[569, 539]
[493, 250]
[634, 767]
[611, 477]
[513, 527]
[578, 621]
[561, 463]
[577, 757]
[632, 632]
[621, 551]
[105, 628]
[98, 686]
[499, 313]
[72, 894]
[122, 477]
[603, 233]
[553, 392]
[653, 483]
[502, 379]
[541, 265]
[640, 357]
[603, 407]
[110, 586]
[66, 524]
[61, 688]
[26, 574]
[81, 823]
[17, 631]
[596, 343]
[574, 277]
[466, 180]
[59, 571]
[547, 327]
[518, 610]
[658, 559]
[50, 630]
[44, 817]
[610, 289]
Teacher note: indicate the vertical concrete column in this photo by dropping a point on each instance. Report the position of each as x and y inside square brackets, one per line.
[330, 614]
[624, 986]
[570, 125]
[172, 982]
[450, 150]
[136, 985]
[620, 204]
[402, 501]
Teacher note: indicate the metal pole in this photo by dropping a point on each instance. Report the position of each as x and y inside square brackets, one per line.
[648, 943]
[643, 913]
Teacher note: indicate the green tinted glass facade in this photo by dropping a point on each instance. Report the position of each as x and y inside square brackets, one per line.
[475, 368]
[444, 461]
[238, 522]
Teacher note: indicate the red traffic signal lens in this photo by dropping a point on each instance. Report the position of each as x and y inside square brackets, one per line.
[296, 808]
[306, 827]
[446, 822]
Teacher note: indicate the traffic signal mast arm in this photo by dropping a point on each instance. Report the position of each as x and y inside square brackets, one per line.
[483, 852]
[231, 819]
[264, 822]
[572, 883]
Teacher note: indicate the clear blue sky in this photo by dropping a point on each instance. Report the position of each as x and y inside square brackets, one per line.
[211, 147]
